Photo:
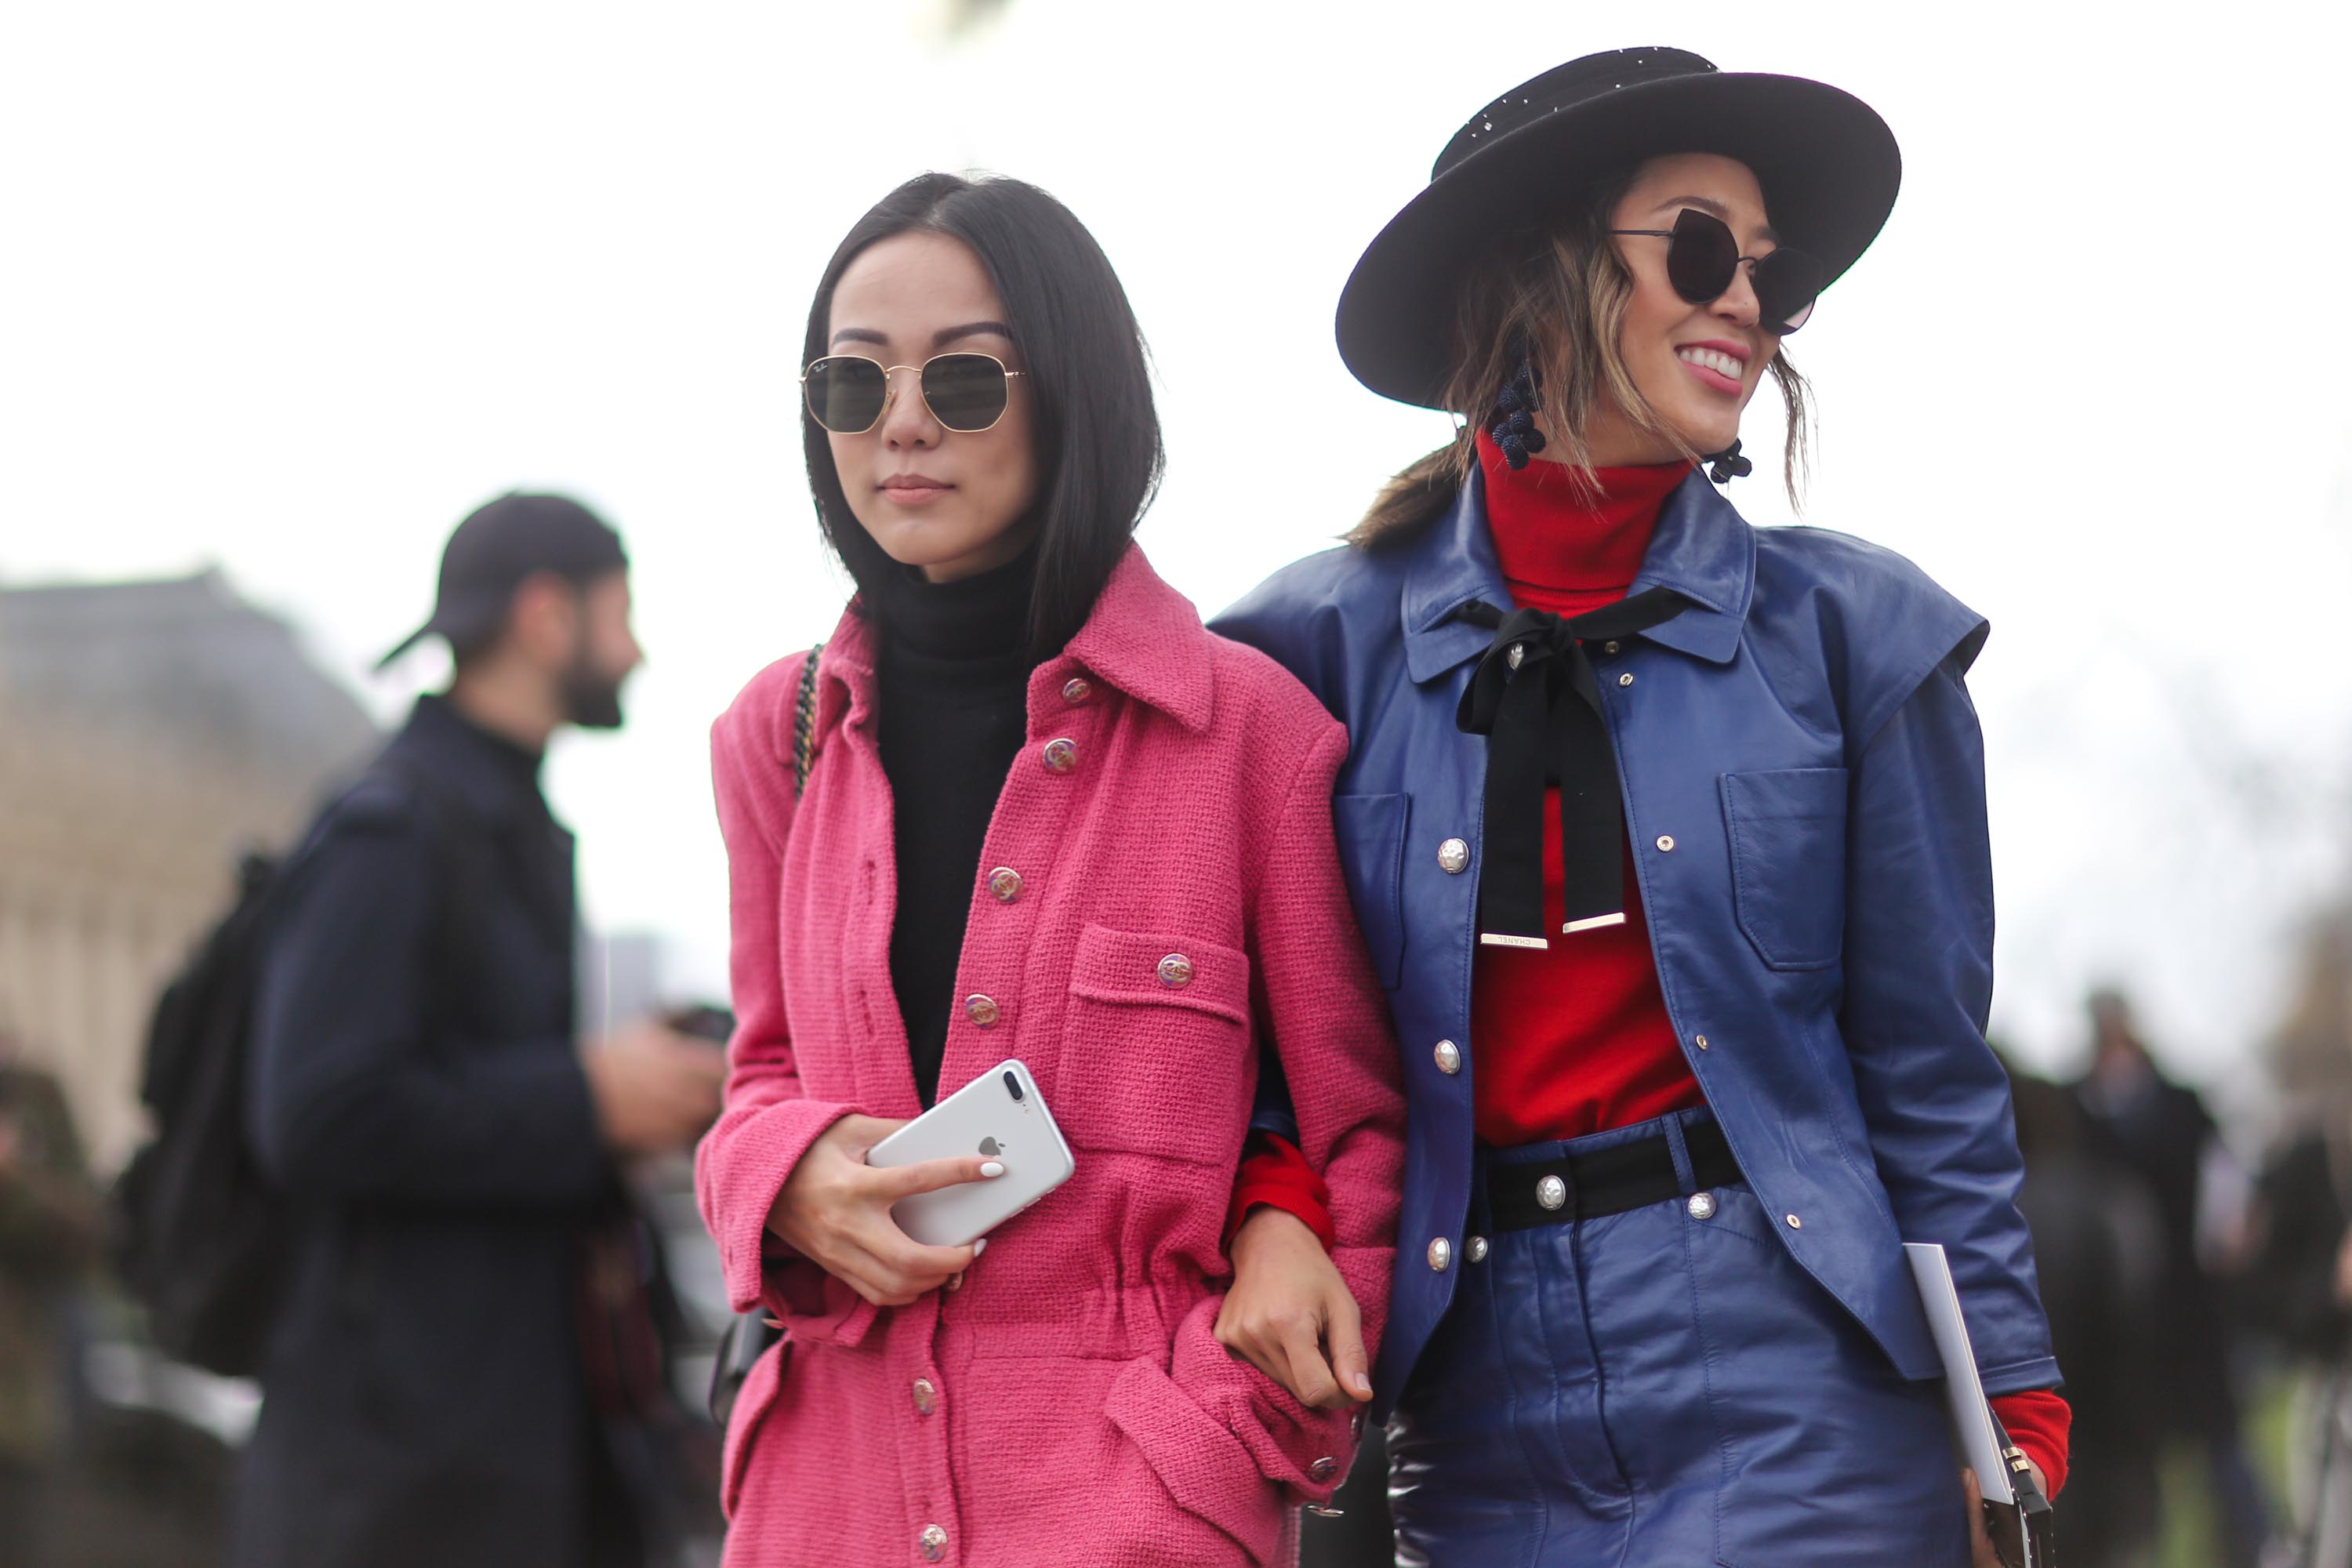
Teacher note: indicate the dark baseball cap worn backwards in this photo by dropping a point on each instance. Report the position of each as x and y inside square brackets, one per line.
[500, 545]
[1828, 166]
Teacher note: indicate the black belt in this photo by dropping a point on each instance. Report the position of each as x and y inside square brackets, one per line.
[1606, 1181]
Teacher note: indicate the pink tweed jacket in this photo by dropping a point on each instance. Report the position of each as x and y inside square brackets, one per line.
[1069, 1404]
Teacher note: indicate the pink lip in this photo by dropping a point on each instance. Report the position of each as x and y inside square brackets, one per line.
[1715, 381]
[914, 490]
[1736, 351]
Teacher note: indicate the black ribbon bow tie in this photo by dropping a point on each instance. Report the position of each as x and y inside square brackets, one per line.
[1535, 698]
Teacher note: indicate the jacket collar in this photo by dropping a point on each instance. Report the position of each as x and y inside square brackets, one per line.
[1142, 636]
[1703, 549]
[1147, 639]
[494, 779]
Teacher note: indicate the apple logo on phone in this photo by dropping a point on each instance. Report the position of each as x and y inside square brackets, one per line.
[991, 1147]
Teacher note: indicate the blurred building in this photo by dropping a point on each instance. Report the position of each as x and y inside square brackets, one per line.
[150, 734]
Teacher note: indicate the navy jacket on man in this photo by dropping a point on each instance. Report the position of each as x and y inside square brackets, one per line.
[417, 1092]
[1803, 781]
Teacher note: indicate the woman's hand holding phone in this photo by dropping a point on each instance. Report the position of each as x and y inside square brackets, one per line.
[835, 1210]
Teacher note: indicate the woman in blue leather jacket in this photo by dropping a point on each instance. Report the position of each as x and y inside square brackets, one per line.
[1668, 838]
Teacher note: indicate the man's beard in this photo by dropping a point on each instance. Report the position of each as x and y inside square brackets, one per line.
[592, 698]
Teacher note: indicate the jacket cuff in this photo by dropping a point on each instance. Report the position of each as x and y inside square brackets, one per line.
[811, 1305]
[2041, 1371]
[759, 1153]
[1304, 1450]
[1206, 1470]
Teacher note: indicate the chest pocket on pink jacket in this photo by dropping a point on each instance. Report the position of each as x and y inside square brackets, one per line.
[1155, 1050]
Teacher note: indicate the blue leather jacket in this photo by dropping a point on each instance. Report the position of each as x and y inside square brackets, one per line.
[1804, 789]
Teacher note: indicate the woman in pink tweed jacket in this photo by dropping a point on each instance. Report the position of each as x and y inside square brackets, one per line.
[1065, 1400]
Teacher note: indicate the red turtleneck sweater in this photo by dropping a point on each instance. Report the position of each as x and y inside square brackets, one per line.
[1591, 998]
[1574, 1038]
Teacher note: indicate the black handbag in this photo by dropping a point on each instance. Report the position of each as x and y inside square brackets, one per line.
[741, 1343]
[747, 1338]
[2024, 1534]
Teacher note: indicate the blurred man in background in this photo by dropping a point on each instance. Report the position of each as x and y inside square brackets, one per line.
[441, 1378]
[49, 1239]
[2298, 1291]
[2161, 1133]
[2097, 1250]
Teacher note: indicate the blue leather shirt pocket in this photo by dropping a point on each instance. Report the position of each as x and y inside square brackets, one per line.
[1371, 831]
[1787, 830]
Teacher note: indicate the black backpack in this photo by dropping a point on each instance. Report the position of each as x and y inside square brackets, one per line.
[199, 1236]
[197, 1233]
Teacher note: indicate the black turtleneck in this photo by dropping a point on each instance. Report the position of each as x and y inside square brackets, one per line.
[954, 714]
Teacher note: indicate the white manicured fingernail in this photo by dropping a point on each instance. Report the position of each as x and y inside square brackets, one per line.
[993, 1168]
[980, 1247]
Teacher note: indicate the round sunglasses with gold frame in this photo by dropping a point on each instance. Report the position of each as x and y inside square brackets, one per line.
[966, 393]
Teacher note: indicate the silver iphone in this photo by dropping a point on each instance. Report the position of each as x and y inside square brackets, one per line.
[1001, 1115]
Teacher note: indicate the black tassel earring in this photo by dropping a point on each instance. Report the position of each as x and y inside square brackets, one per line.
[1515, 431]
[1727, 465]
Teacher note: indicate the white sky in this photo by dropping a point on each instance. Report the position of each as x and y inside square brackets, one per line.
[291, 287]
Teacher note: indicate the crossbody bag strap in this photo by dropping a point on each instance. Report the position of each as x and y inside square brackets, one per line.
[804, 722]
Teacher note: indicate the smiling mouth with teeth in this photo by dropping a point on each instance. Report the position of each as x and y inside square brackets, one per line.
[1714, 360]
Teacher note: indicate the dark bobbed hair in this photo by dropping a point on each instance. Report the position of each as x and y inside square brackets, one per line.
[1099, 448]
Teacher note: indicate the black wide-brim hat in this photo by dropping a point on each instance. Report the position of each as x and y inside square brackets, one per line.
[1827, 162]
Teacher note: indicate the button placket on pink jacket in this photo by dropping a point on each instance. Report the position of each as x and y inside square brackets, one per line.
[1180, 899]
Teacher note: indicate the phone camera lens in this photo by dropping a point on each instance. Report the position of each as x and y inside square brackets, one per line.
[1012, 1086]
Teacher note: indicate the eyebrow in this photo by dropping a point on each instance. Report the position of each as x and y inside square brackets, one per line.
[1710, 206]
[938, 339]
[973, 330]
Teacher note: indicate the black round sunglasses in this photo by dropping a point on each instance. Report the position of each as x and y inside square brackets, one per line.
[1702, 256]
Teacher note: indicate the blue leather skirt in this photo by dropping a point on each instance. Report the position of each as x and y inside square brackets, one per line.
[1661, 1388]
